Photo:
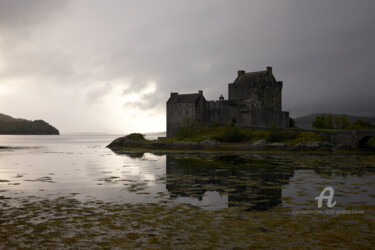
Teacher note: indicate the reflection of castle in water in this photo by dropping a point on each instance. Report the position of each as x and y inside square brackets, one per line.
[246, 182]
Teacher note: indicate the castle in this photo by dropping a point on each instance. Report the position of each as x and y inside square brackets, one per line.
[254, 101]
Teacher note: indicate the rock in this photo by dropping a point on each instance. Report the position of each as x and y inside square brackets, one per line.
[263, 229]
[277, 145]
[134, 139]
[209, 143]
[343, 147]
[326, 144]
[257, 145]
[260, 142]
[311, 145]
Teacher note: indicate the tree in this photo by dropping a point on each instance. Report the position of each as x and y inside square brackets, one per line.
[331, 122]
[360, 124]
[337, 122]
[341, 122]
[319, 122]
[292, 123]
[344, 122]
[328, 122]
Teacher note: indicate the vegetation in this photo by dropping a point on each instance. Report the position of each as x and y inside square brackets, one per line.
[24, 127]
[339, 122]
[136, 137]
[360, 124]
[274, 135]
[99, 224]
[231, 134]
[292, 123]
[305, 122]
[331, 122]
[198, 133]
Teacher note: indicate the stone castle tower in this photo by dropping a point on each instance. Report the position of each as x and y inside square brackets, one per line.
[254, 101]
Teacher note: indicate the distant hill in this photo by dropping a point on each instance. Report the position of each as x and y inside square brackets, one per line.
[306, 121]
[12, 126]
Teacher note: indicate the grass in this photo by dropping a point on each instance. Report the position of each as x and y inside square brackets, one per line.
[330, 129]
[370, 143]
[232, 134]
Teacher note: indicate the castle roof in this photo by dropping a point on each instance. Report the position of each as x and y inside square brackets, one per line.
[184, 98]
[259, 76]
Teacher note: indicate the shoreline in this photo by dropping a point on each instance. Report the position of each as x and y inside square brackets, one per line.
[204, 147]
[234, 140]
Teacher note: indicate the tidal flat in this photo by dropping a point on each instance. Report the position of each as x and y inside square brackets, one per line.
[66, 222]
[72, 192]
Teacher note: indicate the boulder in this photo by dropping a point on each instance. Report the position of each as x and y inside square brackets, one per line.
[134, 139]
[277, 145]
[209, 143]
[326, 144]
[257, 145]
[310, 145]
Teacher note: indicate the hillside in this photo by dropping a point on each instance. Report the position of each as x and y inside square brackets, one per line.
[12, 126]
[306, 121]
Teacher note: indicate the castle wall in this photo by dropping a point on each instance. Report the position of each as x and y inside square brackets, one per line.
[179, 114]
[263, 118]
[239, 91]
[221, 112]
[272, 98]
[232, 112]
[200, 110]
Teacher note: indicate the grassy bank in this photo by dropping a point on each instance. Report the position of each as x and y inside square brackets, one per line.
[198, 133]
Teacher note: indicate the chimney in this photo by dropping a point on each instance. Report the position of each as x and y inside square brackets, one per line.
[240, 72]
[269, 70]
[174, 94]
[221, 98]
[200, 92]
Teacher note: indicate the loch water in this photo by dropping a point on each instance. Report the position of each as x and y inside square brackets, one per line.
[80, 166]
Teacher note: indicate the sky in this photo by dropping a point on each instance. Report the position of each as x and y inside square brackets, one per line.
[109, 66]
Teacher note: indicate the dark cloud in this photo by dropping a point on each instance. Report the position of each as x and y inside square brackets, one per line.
[322, 50]
[16, 14]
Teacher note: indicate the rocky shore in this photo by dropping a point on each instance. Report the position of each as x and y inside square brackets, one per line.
[136, 141]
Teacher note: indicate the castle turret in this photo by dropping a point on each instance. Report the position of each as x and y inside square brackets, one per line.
[240, 72]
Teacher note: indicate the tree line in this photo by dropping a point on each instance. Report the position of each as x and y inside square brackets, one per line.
[24, 127]
[339, 122]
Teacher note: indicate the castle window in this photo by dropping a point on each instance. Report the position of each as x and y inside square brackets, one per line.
[272, 98]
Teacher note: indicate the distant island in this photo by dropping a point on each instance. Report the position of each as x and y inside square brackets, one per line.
[13, 126]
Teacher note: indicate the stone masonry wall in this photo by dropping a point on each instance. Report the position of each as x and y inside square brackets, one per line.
[178, 114]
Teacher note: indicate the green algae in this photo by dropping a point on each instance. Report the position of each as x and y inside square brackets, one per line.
[67, 223]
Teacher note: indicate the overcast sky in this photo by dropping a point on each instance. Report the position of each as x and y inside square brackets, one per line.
[109, 66]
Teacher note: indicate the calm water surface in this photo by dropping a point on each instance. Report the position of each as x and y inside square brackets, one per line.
[80, 166]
